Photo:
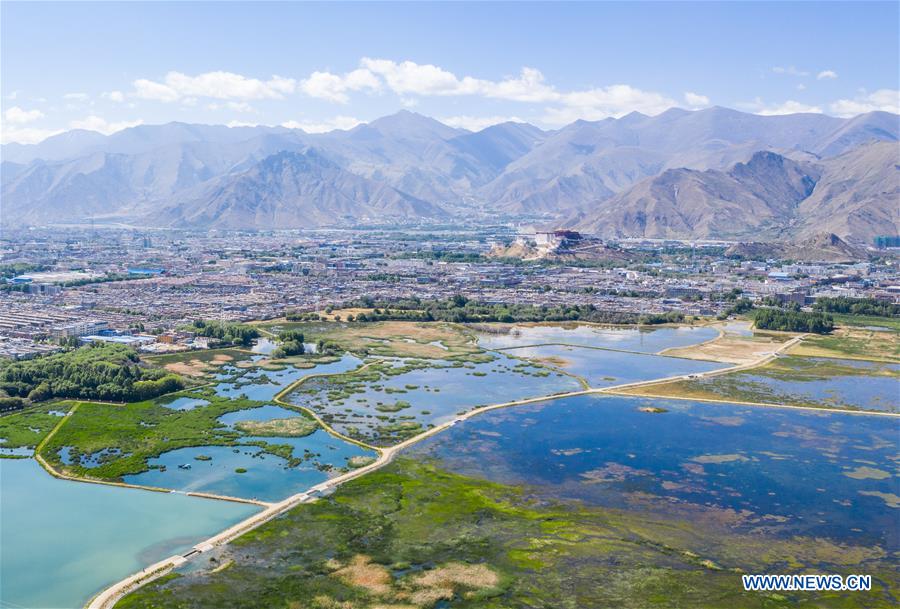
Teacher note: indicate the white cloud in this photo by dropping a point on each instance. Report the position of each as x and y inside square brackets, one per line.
[695, 100]
[114, 96]
[788, 107]
[338, 122]
[332, 87]
[96, 123]
[801, 87]
[214, 85]
[235, 106]
[789, 70]
[13, 95]
[477, 123]
[409, 79]
[147, 89]
[886, 100]
[611, 101]
[19, 116]
[826, 75]
[76, 96]
[25, 135]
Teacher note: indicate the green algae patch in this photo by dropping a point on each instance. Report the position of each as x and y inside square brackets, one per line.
[719, 458]
[867, 473]
[890, 499]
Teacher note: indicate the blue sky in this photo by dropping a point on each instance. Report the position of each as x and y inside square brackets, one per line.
[105, 66]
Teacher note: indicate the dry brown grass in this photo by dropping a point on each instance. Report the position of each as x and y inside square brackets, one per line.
[193, 367]
[362, 572]
[418, 592]
[426, 597]
[733, 349]
[458, 574]
[552, 360]
[197, 367]
[342, 313]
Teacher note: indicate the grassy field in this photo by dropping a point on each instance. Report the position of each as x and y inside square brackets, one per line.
[130, 434]
[29, 426]
[436, 340]
[411, 536]
[851, 342]
[841, 319]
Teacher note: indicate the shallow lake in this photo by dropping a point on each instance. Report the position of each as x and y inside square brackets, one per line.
[642, 340]
[816, 473]
[839, 383]
[434, 394]
[268, 477]
[602, 367]
[65, 541]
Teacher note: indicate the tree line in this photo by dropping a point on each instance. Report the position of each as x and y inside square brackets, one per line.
[229, 332]
[460, 309]
[291, 344]
[98, 371]
[857, 306]
[792, 320]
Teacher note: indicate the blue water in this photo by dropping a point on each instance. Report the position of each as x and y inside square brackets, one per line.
[268, 477]
[183, 403]
[790, 470]
[62, 541]
[602, 368]
[261, 413]
[642, 340]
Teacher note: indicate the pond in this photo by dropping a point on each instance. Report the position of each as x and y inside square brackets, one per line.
[65, 541]
[434, 391]
[213, 469]
[815, 473]
[641, 340]
[602, 367]
[182, 403]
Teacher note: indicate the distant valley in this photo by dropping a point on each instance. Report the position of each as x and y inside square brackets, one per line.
[714, 173]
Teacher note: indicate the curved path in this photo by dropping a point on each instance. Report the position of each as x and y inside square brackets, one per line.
[109, 597]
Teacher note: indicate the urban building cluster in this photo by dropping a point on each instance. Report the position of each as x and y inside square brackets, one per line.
[140, 287]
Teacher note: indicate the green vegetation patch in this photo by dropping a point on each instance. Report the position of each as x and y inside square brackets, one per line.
[29, 426]
[100, 371]
[853, 343]
[392, 338]
[292, 427]
[414, 536]
[225, 332]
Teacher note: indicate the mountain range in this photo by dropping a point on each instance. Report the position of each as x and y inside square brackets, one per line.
[715, 173]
